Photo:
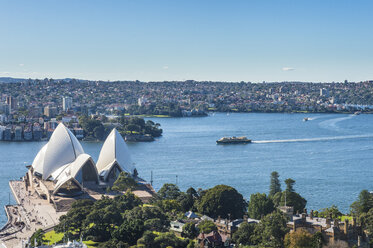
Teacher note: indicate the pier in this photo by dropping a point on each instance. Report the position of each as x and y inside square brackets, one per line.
[28, 215]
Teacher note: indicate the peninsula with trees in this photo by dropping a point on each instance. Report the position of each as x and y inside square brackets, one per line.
[214, 217]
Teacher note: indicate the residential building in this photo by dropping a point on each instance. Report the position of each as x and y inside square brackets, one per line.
[37, 132]
[67, 103]
[7, 134]
[27, 134]
[2, 128]
[12, 102]
[18, 133]
[213, 239]
[49, 111]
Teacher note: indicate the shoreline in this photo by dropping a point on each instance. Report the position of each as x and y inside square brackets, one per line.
[24, 218]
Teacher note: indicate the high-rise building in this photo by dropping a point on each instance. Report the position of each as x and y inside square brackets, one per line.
[67, 103]
[50, 111]
[324, 92]
[12, 103]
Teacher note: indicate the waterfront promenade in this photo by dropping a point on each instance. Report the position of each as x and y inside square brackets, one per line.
[30, 214]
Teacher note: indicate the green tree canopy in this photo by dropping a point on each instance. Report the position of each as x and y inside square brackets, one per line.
[290, 197]
[363, 204]
[331, 212]
[259, 205]
[275, 185]
[206, 226]
[169, 191]
[290, 184]
[129, 231]
[190, 230]
[222, 200]
[124, 182]
[37, 237]
[299, 239]
[366, 221]
[243, 234]
[271, 230]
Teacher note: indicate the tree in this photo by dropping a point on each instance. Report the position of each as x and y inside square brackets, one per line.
[169, 240]
[169, 191]
[147, 239]
[206, 226]
[129, 231]
[318, 240]
[113, 244]
[299, 239]
[124, 182]
[290, 197]
[243, 234]
[169, 206]
[186, 201]
[75, 217]
[99, 132]
[96, 225]
[331, 212]
[289, 184]
[366, 221]
[259, 205]
[271, 230]
[222, 200]
[155, 224]
[363, 204]
[190, 230]
[275, 185]
[37, 237]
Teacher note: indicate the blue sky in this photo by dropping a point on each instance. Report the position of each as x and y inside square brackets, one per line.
[320, 41]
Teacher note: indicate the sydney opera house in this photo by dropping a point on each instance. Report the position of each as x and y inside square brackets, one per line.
[62, 168]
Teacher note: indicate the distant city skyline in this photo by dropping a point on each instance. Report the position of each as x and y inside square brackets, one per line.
[273, 41]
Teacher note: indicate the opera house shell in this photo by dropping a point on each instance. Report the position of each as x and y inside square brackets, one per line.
[114, 158]
[63, 165]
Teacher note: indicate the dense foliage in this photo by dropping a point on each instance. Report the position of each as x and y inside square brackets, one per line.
[170, 109]
[123, 221]
[95, 128]
[243, 236]
[96, 220]
[223, 201]
[124, 182]
[331, 212]
[271, 230]
[259, 206]
[290, 198]
[275, 185]
[137, 125]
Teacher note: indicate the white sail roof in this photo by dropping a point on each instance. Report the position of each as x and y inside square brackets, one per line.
[38, 162]
[115, 149]
[72, 169]
[63, 148]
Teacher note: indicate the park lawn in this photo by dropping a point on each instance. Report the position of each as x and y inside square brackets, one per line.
[91, 244]
[147, 205]
[349, 218]
[159, 233]
[52, 237]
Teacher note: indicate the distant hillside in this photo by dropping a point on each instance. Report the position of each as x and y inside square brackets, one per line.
[16, 80]
[10, 80]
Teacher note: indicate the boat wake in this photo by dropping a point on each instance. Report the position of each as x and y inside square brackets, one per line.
[331, 124]
[314, 139]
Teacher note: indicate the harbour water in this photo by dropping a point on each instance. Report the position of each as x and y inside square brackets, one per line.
[330, 156]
